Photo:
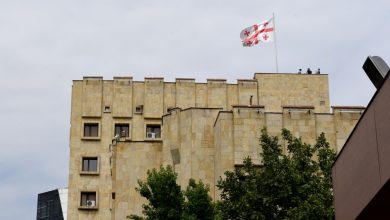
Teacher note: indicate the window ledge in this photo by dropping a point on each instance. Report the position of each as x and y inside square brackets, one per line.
[88, 207]
[124, 139]
[90, 138]
[89, 173]
[153, 139]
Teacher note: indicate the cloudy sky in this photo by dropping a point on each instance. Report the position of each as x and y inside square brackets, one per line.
[44, 45]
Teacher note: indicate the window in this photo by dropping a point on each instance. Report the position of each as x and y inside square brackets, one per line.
[107, 109]
[91, 130]
[90, 164]
[153, 131]
[122, 130]
[139, 109]
[88, 200]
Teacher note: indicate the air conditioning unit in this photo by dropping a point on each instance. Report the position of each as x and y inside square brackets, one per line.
[91, 203]
[151, 135]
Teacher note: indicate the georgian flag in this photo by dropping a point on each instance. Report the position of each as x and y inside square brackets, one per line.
[263, 32]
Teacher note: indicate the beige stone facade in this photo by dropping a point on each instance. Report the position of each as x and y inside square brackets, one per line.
[120, 128]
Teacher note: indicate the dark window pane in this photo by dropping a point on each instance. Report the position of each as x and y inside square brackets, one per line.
[125, 131]
[94, 131]
[92, 197]
[158, 130]
[93, 165]
[83, 199]
[91, 130]
[122, 130]
[87, 197]
[117, 130]
[155, 129]
[85, 165]
[90, 164]
[86, 131]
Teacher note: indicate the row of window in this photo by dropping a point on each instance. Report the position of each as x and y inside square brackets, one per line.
[91, 130]
[139, 109]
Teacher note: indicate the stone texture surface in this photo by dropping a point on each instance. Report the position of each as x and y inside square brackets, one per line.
[207, 128]
[277, 90]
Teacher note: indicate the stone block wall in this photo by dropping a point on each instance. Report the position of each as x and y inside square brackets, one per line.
[132, 161]
[276, 90]
[346, 118]
[122, 103]
[208, 128]
[189, 134]
[247, 125]
[224, 146]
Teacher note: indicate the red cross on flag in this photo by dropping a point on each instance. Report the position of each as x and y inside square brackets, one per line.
[263, 32]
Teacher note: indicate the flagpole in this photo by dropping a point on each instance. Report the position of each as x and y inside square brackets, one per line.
[276, 48]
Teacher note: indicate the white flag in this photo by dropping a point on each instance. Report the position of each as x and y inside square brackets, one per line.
[263, 32]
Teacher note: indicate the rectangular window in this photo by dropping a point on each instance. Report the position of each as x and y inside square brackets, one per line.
[90, 164]
[122, 130]
[153, 131]
[139, 109]
[91, 130]
[88, 199]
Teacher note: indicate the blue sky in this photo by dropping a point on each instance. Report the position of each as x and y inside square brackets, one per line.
[44, 45]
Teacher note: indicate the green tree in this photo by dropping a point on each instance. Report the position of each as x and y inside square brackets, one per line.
[166, 200]
[240, 194]
[296, 185]
[198, 203]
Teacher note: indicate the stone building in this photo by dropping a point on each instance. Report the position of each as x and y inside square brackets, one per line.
[120, 128]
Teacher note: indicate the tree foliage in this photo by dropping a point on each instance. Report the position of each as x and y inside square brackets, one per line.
[290, 185]
[296, 185]
[166, 200]
[198, 204]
